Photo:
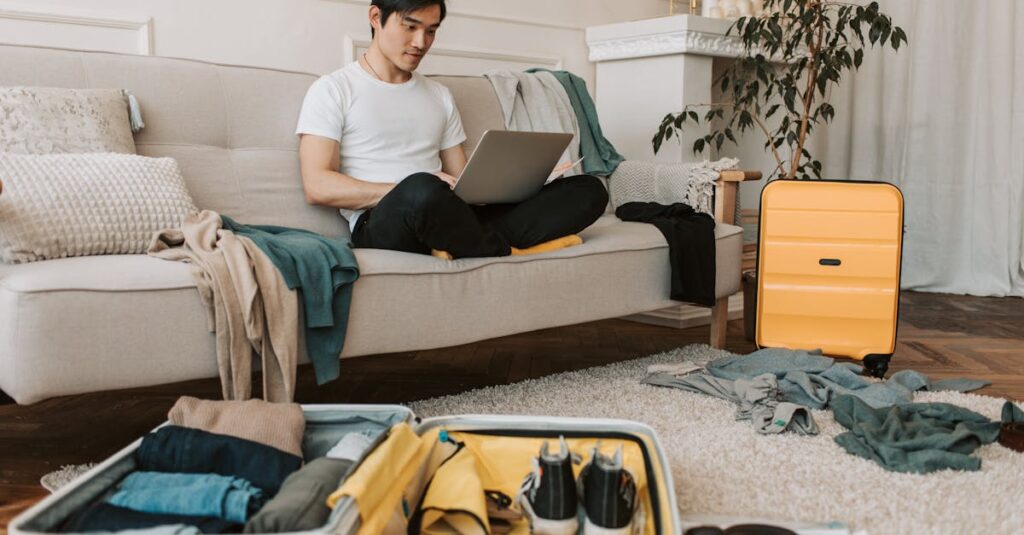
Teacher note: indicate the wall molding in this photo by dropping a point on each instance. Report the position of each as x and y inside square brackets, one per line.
[352, 44]
[491, 18]
[681, 42]
[143, 26]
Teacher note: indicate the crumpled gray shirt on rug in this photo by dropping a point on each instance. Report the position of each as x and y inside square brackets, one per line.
[916, 437]
[811, 379]
[758, 400]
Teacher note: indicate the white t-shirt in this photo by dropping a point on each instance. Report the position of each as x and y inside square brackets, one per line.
[386, 131]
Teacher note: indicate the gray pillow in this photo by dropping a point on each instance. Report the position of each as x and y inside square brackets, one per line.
[60, 205]
[45, 120]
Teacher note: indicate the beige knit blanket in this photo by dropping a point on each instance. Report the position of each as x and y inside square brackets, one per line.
[248, 304]
[278, 425]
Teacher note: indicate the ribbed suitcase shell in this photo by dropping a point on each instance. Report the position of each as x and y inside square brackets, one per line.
[829, 266]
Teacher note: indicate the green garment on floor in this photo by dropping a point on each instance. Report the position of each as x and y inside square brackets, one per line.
[914, 437]
[599, 156]
[323, 270]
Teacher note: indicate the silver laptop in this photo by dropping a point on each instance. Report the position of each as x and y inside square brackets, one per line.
[510, 167]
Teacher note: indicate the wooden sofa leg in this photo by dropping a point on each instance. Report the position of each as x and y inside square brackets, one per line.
[719, 323]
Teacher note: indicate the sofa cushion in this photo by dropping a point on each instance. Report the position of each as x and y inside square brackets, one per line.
[478, 107]
[60, 205]
[130, 321]
[45, 120]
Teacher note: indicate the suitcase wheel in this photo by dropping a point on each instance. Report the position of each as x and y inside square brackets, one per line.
[876, 365]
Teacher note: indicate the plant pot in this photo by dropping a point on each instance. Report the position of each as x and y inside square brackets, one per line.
[749, 305]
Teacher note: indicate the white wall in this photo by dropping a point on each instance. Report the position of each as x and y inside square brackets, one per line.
[310, 35]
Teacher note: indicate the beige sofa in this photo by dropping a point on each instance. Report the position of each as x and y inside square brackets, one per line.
[107, 322]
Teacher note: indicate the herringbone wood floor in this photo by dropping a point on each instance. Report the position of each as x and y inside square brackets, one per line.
[940, 335]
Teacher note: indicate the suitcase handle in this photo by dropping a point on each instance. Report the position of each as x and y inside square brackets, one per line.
[830, 262]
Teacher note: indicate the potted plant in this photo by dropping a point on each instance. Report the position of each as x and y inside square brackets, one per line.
[795, 52]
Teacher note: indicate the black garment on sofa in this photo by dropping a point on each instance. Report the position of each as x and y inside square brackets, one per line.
[193, 451]
[423, 213]
[102, 516]
[691, 246]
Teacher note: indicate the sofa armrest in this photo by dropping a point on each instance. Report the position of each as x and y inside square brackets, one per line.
[726, 187]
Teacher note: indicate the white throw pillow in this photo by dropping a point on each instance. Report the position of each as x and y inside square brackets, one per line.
[46, 120]
[60, 205]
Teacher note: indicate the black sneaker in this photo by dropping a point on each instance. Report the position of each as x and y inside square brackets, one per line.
[548, 494]
[608, 495]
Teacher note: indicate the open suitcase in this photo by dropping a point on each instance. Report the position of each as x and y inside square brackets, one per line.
[828, 268]
[397, 487]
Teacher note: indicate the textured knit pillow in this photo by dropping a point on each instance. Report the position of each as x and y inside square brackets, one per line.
[46, 120]
[59, 205]
[667, 183]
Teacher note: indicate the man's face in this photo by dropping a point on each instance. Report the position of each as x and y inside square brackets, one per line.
[405, 38]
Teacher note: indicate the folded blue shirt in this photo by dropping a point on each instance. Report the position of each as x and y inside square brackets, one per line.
[225, 497]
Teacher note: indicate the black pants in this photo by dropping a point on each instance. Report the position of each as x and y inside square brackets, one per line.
[423, 213]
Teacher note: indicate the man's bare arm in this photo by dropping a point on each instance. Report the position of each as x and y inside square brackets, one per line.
[319, 158]
[453, 160]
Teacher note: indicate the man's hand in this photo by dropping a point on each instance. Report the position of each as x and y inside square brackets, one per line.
[558, 171]
[447, 178]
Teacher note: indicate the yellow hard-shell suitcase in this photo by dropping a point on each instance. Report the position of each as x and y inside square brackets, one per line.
[828, 268]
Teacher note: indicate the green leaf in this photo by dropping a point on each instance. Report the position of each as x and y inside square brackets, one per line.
[698, 146]
[886, 29]
[858, 57]
[875, 32]
[745, 119]
[693, 115]
[668, 134]
[897, 36]
[855, 24]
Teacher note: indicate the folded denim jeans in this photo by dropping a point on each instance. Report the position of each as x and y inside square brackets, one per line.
[230, 498]
[193, 451]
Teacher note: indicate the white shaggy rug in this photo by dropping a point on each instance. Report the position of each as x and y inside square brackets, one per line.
[723, 467]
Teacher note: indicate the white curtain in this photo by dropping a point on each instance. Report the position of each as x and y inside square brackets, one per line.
[944, 120]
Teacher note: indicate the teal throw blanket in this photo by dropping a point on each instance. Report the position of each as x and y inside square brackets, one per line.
[600, 157]
[322, 270]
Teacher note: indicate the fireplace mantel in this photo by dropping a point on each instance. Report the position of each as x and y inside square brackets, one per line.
[680, 34]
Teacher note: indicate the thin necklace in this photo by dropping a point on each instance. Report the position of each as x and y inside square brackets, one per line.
[374, 71]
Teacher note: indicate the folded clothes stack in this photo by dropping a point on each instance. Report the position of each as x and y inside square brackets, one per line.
[223, 467]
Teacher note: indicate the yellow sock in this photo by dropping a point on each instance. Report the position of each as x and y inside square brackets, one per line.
[443, 255]
[553, 245]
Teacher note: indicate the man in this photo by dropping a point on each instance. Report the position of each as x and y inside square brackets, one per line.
[383, 144]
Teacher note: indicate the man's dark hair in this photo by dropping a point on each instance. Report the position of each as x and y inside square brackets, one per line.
[403, 7]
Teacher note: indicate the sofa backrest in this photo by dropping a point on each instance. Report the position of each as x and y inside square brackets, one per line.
[231, 128]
